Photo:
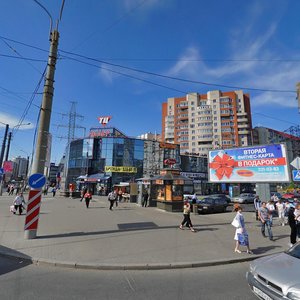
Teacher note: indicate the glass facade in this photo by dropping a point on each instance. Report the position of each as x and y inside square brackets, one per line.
[92, 155]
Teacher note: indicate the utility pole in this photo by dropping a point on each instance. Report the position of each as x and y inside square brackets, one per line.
[45, 114]
[3, 145]
[8, 146]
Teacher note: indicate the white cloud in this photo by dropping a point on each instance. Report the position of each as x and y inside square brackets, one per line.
[252, 73]
[13, 121]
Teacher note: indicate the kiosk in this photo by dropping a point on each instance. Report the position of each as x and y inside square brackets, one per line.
[167, 189]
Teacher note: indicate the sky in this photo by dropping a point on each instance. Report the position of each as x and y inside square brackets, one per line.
[124, 58]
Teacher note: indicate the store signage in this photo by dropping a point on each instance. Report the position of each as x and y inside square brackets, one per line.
[99, 132]
[104, 120]
[122, 169]
[267, 163]
[193, 175]
[167, 146]
[191, 154]
[170, 161]
[8, 166]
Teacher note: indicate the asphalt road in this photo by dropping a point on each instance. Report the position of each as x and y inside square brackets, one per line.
[19, 280]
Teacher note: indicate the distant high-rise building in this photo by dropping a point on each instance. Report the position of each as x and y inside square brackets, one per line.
[150, 136]
[20, 167]
[200, 123]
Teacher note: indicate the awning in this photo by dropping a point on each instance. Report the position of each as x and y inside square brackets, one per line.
[94, 177]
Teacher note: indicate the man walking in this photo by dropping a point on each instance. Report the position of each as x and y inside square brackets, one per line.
[112, 196]
[257, 205]
[264, 216]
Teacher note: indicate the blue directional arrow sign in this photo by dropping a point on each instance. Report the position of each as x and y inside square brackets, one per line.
[37, 180]
[296, 175]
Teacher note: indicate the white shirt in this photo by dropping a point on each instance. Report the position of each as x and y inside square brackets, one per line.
[280, 206]
[18, 200]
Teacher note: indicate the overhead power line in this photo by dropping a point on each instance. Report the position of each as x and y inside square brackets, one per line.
[156, 74]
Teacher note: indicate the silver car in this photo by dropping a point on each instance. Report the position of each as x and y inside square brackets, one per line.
[276, 277]
[244, 198]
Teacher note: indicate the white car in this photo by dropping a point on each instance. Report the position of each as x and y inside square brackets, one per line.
[244, 198]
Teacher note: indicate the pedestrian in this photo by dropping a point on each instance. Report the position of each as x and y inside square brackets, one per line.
[293, 225]
[297, 218]
[271, 209]
[83, 191]
[120, 196]
[241, 235]
[87, 198]
[112, 196]
[280, 206]
[54, 191]
[257, 205]
[186, 216]
[145, 198]
[11, 190]
[264, 216]
[18, 203]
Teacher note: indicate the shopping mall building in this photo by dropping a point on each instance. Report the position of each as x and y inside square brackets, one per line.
[108, 157]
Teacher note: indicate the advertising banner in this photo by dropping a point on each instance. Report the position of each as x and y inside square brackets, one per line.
[267, 163]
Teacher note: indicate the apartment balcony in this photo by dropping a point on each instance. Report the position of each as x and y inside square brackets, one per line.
[242, 120]
[240, 114]
[243, 125]
[244, 131]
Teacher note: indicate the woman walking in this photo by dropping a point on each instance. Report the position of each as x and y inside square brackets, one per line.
[241, 235]
[186, 216]
[87, 198]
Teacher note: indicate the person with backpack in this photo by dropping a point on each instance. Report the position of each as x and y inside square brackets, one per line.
[112, 196]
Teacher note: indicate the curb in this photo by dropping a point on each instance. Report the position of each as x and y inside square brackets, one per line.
[136, 267]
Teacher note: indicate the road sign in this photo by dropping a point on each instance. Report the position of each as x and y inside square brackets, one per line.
[296, 163]
[296, 175]
[37, 180]
[1, 171]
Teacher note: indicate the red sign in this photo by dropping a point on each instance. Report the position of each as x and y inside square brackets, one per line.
[104, 120]
[8, 166]
[170, 161]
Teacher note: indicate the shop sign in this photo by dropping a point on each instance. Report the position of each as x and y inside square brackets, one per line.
[170, 161]
[167, 146]
[122, 169]
[99, 132]
[193, 175]
[267, 163]
[104, 120]
[8, 166]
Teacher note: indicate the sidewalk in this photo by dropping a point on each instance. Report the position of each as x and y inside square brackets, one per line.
[129, 237]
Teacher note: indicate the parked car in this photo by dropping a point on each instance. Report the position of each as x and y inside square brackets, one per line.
[212, 205]
[244, 198]
[222, 196]
[277, 276]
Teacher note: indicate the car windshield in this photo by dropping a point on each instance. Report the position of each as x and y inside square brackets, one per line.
[207, 201]
[294, 251]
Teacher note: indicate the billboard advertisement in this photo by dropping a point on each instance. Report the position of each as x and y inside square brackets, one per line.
[263, 163]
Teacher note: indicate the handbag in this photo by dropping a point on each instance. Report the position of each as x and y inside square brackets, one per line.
[235, 223]
[243, 239]
[12, 209]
